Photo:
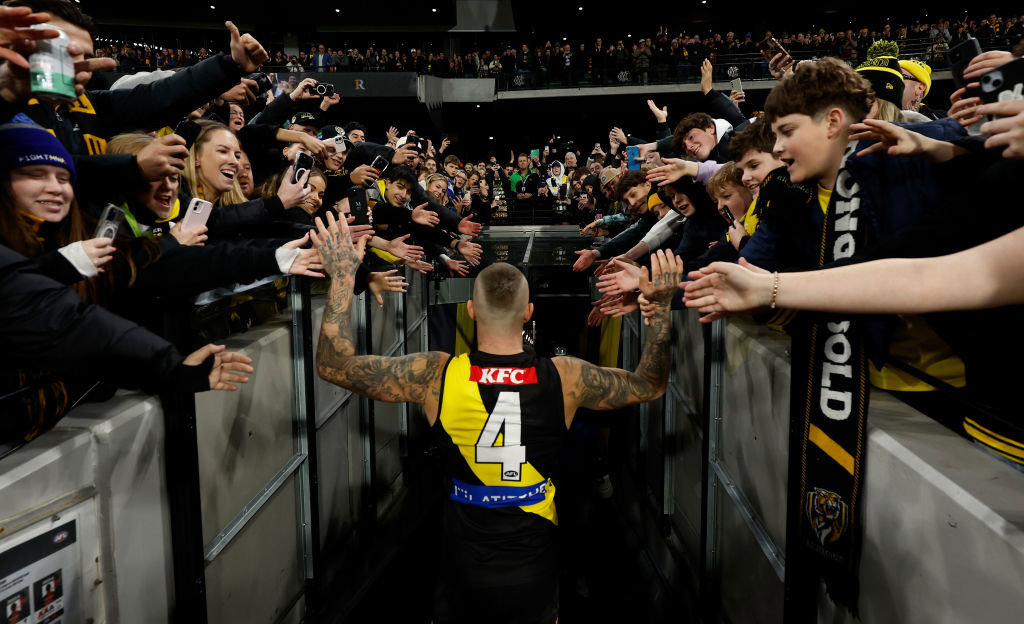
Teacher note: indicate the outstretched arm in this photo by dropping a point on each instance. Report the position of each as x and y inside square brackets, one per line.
[985, 276]
[595, 387]
[415, 377]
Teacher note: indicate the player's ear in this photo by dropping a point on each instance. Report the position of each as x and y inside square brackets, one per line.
[529, 312]
[470, 310]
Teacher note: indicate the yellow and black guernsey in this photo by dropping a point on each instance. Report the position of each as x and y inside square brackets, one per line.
[501, 426]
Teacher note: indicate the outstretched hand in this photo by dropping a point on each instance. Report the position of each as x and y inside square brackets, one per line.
[423, 215]
[625, 278]
[468, 227]
[659, 284]
[896, 140]
[379, 283]
[226, 366]
[672, 170]
[723, 288]
[340, 258]
[660, 114]
[307, 262]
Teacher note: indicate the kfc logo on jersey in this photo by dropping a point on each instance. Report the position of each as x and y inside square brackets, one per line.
[503, 376]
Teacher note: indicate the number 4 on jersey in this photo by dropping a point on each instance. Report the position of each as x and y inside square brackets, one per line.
[512, 454]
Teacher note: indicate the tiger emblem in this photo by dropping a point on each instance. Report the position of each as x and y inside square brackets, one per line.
[828, 514]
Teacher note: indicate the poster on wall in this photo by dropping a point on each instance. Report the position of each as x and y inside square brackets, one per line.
[40, 575]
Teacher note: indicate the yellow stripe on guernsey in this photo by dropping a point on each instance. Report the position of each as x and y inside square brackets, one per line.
[463, 416]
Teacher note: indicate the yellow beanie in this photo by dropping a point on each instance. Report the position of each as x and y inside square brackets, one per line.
[919, 70]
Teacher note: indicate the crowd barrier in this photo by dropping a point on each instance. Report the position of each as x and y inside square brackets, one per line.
[240, 507]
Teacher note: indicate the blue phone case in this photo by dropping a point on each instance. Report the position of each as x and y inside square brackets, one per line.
[632, 153]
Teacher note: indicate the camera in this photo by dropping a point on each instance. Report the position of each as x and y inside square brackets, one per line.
[323, 89]
[263, 83]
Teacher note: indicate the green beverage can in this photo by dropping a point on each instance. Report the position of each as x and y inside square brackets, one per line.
[51, 68]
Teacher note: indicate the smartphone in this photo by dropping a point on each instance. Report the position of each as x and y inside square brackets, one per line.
[110, 222]
[338, 143]
[597, 146]
[303, 163]
[731, 220]
[197, 215]
[535, 153]
[357, 205]
[380, 164]
[632, 153]
[775, 45]
[736, 85]
[960, 57]
[188, 129]
[1003, 83]
[547, 150]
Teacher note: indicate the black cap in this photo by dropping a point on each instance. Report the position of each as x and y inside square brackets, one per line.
[305, 119]
[331, 131]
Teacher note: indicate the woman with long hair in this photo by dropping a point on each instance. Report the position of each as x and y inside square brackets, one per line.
[211, 173]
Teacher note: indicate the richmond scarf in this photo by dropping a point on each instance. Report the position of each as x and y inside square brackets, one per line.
[828, 417]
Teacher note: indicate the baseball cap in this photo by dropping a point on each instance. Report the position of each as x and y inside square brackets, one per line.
[334, 132]
[608, 174]
[305, 119]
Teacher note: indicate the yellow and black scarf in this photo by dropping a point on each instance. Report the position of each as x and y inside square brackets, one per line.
[828, 420]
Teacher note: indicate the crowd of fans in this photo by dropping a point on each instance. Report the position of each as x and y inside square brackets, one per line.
[659, 58]
[716, 187]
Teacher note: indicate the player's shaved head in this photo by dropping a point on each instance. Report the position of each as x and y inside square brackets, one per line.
[501, 295]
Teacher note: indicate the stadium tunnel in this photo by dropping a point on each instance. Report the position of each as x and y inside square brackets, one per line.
[296, 501]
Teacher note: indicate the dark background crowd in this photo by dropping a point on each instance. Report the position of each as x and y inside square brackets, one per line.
[669, 54]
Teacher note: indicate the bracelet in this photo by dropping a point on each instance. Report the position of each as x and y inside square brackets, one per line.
[775, 289]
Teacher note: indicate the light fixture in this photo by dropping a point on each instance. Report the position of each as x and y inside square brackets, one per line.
[212, 7]
[337, 10]
[433, 10]
[478, 106]
[581, 8]
[563, 38]
[491, 138]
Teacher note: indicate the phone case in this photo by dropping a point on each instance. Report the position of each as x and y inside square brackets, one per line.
[632, 153]
[1003, 83]
[960, 57]
[197, 215]
[303, 163]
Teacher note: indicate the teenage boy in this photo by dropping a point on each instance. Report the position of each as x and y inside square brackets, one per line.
[882, 195]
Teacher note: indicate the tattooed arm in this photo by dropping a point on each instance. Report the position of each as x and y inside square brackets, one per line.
[594, 387]
[415, 378]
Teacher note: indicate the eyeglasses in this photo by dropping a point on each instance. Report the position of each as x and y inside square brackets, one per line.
[912, 78]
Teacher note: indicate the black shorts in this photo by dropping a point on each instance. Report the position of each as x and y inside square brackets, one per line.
[534, 603]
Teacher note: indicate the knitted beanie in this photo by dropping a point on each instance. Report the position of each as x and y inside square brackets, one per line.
[882, 69]
[920, 70]
[23, 142]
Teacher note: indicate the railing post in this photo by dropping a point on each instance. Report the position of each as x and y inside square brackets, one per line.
[303, 357]
[714, 356]
[183, 497]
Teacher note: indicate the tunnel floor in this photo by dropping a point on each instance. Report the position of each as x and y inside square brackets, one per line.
[609, 567]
